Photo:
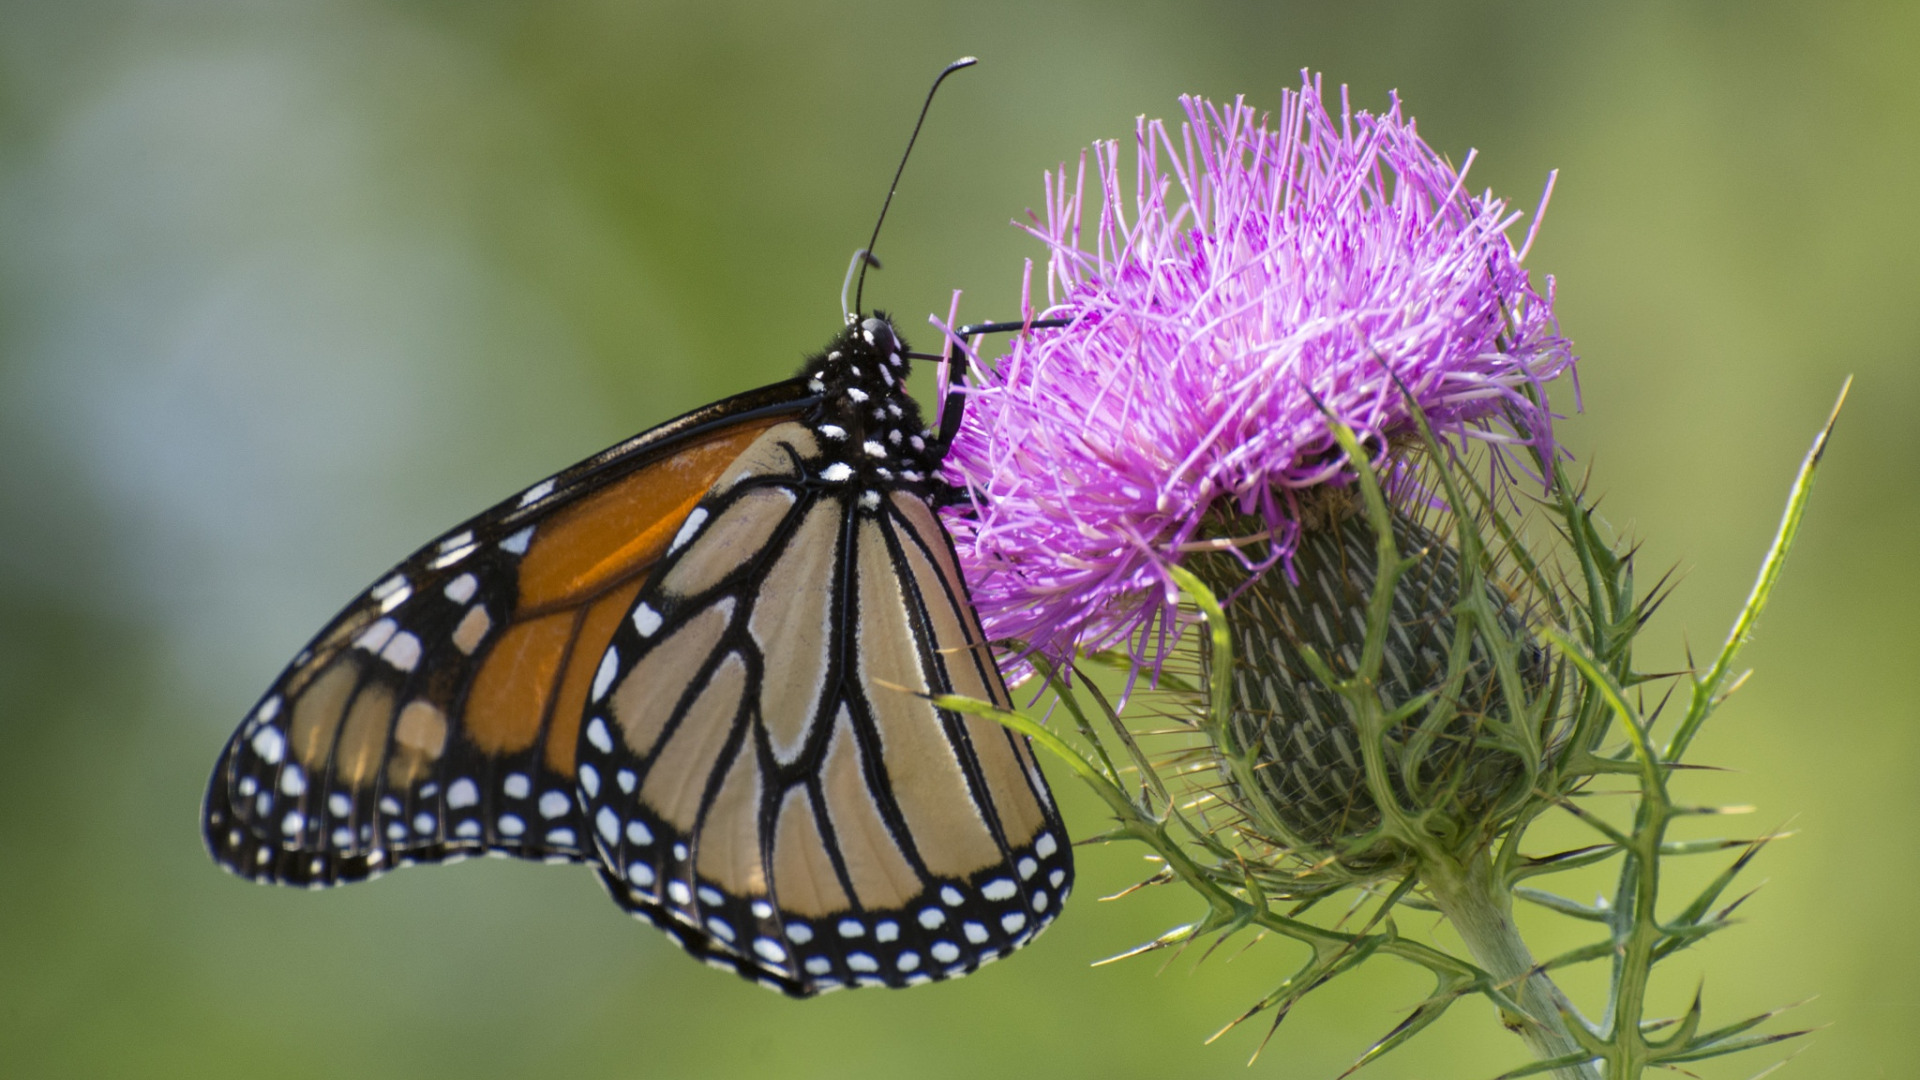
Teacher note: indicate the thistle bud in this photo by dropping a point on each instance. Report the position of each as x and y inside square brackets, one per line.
[1298, 636]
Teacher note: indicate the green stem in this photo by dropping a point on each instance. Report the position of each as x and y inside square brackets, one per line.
[1471, 899]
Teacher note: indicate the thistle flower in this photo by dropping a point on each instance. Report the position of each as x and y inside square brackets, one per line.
[1263, 285]
[1261, 278]
[1286, 394]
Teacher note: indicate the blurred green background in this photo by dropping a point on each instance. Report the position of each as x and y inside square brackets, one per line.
[287, 288]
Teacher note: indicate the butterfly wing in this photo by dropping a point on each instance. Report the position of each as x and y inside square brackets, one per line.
[438, 714]
[761, 768]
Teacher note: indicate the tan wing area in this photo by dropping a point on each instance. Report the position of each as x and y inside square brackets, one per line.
[1012, 778]
[923, 767]
[962, 790]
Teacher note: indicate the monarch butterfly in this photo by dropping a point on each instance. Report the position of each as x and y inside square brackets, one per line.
[701, 660]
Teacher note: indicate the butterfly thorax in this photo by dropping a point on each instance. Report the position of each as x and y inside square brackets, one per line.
[869, 426]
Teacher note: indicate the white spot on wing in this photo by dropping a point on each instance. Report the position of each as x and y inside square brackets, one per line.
[517, 786]
[998, 889]
[537, 492]
[375, 637]
[646, 620]
[394, 600]
[388, 587]
[836, 473]
[598, 736]
[609, 667]
[461, 589]
[451, 557]
[270, 745]
[640, 874]
[517, 543]
[553, 804]
[402, 652]
[688, 528]
[462, 793]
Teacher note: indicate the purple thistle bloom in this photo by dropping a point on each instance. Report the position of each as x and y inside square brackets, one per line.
[1302, 265]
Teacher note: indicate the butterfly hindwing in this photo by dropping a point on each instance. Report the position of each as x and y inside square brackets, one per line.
[439, 712]
[764, 773]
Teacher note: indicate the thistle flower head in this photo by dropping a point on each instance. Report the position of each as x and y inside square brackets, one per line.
[1260, 276]
[1280, 359]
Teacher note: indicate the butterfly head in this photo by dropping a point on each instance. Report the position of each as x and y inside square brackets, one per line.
[866, 420]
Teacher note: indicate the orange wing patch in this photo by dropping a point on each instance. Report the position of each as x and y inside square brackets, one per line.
[621, 530]
[509, 695]
[595, 555]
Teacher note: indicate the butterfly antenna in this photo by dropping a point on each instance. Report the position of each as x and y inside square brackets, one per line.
[867, 260]
[860, 261]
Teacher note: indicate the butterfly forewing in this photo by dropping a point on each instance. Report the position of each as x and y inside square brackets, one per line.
[439, 713]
